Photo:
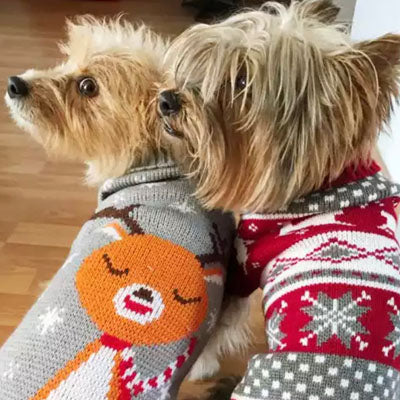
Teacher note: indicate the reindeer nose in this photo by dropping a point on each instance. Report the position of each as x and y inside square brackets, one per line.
[169, 103]
[144, 294]
[17, 87]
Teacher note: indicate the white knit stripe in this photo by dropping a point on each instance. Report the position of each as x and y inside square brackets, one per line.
[90, 381]
[363, 243]
[128, 354]
[328, 280]
[314, 219]
[367, 265]
[237, 397]
[264, 217]
[363, 240]
[311, 222]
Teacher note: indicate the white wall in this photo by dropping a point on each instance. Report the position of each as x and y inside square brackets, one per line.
[346, 10]
[371, 19]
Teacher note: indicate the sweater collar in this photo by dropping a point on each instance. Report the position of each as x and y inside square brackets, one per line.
[353, 173]
[355, 187]
[160, 168]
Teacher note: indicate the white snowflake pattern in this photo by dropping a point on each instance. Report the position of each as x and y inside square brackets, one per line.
[50, 319]
[9, 373]
[337, 317]
[253, 227]
[394, 335]
[273, 328]
[164, 392]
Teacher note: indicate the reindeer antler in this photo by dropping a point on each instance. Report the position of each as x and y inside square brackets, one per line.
[123, 214]
[219, 246]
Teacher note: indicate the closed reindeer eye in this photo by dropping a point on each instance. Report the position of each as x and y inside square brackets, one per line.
[183, 300]
[111, 269]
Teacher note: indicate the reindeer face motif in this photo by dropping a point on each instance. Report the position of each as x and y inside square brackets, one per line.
[144, 289]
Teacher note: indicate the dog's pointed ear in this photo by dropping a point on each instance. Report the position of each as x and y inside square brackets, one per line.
[72, 27]
[323, 10]
[384, 56]
[384, 52]
[79, 34]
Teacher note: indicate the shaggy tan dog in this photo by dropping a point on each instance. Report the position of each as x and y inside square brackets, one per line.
[100, 106]
[276, 101]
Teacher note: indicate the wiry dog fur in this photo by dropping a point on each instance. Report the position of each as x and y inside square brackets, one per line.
[232, 336]
[114, 130]
[277, 101]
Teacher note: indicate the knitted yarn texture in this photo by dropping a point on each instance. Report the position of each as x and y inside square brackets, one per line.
[135, 302]
[329, 267]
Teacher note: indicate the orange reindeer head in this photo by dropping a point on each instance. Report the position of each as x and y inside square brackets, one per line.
[144, 289]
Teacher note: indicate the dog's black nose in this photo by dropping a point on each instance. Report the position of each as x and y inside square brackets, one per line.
[169, 103]
[17, 87]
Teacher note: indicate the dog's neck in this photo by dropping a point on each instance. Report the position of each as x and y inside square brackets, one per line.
[98, 172]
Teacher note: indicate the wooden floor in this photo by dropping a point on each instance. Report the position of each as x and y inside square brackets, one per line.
[44, 202]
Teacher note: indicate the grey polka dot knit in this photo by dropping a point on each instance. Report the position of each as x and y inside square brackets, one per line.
[135, 302]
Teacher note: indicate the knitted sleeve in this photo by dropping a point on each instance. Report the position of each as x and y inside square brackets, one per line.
[332, 307]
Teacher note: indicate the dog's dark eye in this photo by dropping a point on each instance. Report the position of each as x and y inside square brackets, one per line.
[241, 82]
[88, 87]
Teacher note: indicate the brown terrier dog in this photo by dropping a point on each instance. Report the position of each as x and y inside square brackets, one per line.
[276, 101]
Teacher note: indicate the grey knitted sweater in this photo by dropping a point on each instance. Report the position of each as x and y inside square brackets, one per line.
[134, 303]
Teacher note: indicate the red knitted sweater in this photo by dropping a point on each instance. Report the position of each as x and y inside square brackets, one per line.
[329, 267]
